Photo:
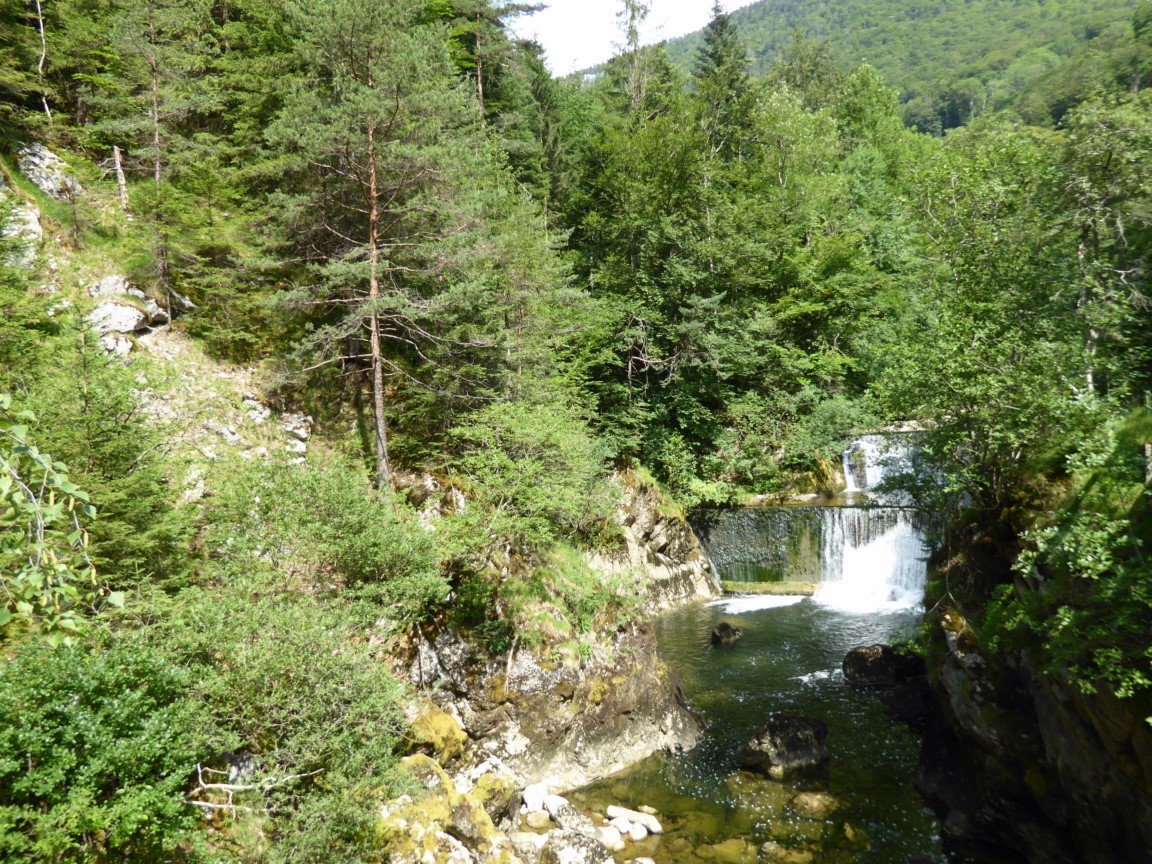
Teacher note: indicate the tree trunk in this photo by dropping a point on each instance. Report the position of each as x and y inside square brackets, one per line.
[42, 60]
[383, 471]
[121, 183]
[163, 278]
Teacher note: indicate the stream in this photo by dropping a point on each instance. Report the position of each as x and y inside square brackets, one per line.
[870, 563]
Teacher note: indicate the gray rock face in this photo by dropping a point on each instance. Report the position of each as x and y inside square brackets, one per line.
[47, 171]
[298, 425]
[786, 745]
[571, 847]
[881, 666]
[569, 818]
[112, 317]
[23, 227]
[112, 286]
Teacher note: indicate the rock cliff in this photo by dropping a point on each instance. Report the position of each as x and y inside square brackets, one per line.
[1021, 759]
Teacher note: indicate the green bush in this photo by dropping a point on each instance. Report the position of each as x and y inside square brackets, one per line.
[97, 746]
[92, 420]
[539, 469]
[47, 579]
[322, 526]
[293, 684]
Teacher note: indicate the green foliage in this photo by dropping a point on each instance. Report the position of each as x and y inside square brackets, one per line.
[48, 579]
[562, 596]
[993, 356]
[537, 470]
[951, 62]
[288, 686]
[1090, 604]
[322, 528]
[94, 421]
[99, 744]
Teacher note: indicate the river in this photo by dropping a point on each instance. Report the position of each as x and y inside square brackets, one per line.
[871, 566]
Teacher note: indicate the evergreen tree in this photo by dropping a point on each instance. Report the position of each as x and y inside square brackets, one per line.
[724, 86]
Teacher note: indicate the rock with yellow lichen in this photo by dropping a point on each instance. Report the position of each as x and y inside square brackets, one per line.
[442, 825]
[436, 733]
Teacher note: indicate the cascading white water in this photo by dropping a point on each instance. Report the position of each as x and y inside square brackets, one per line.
[866, 558]
[872, 459]
[874, 560]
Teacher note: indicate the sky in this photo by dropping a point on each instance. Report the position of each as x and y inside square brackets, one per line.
[577, 34]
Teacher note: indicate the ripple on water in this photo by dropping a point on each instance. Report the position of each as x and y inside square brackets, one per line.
[788, 661]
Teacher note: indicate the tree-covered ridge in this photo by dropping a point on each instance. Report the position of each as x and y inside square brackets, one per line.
[951, 61]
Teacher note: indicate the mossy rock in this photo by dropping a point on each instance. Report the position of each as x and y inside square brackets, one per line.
[437, 734]
[413, 832]
[497, 795]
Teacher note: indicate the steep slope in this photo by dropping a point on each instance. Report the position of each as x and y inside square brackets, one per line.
[925, 47]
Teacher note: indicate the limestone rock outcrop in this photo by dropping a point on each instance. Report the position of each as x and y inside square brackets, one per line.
[47, 171]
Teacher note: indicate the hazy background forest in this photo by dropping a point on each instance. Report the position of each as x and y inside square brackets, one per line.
[709, 265]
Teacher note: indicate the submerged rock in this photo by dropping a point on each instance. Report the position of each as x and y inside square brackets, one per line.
[724, 634]
[774, 853]
[815, 805]
[572, 847]
[881, 666]
[786, 745]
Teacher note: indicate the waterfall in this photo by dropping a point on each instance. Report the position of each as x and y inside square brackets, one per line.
[872, 459]
[865, 558]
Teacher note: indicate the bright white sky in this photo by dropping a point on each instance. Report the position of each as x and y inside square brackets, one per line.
[577, 34]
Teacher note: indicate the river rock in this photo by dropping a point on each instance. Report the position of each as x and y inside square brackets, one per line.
[724, 634]
[538, 820]
[610, 837]
[881, 666]
[786, 745]
[572, 847]
[569, 818]
[534, 796]
[528, 843]
[637, 833]
[814, 805]
[47, 171]
[650, 822]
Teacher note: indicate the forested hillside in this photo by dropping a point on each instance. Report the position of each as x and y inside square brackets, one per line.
[503, 301]
[951, 62]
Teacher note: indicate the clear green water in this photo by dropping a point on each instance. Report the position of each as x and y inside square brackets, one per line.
[788, 661]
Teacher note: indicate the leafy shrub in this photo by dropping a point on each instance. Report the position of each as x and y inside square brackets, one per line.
[96, 748]
[47, 579]
[322, 525]
[291, 683]
[538, 468]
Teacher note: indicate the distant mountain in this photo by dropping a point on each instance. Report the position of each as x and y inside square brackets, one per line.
[929, 48]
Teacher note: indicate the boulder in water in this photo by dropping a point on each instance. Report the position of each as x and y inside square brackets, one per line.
[881, 666]
[724, 634]
[786, 745]
[814, 805]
